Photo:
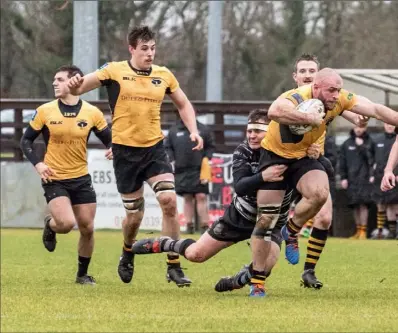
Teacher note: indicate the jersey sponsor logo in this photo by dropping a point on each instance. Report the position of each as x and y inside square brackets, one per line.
[82, 123]
[156, 82]
[380, 145]
[351, 148]
[180, 133]
[350, 96]
[56, 122]
[69, 114]
[128, 78]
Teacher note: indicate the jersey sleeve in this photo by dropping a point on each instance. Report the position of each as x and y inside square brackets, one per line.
[349, 100]
[38, 120]
[99, 120]
[294, 96]
[173, 84]
[104, 73]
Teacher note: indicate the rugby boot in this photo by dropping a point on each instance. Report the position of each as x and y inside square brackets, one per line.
[85, 279]
[257, 290]
[230, 283]
[292, 252]
[49, 236]
[175, 274]
[126, 266]
[309, 280]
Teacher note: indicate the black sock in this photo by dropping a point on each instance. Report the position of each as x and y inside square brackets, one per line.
[392, 226]
[293, 228]
[315, 246]
[83, 263]
[178, 246]
[258, 277]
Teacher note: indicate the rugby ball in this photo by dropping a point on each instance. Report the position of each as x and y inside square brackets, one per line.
[304, 107]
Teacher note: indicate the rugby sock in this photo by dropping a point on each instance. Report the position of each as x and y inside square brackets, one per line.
[309, 223]
[258, 277]
[381, 219]
[83, 263]
[178, 246]
[362, 228]
[392, 226]
[315, 245]
[127, 248]
[293, 228]
[173, 259]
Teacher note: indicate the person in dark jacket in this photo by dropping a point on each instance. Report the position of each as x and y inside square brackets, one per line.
[356, 171]
[387, 202]
[188, 164]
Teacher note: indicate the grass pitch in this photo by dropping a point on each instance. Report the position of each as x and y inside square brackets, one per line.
[38, 293]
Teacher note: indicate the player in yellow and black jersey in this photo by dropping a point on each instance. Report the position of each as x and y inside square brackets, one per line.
[136, 89]
[66, 124]
[308, 176]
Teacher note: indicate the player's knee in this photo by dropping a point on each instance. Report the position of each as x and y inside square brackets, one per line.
[193, 254]
[65, 225]
[133, 205]
[168, 203]
[87, 230]
[200, 197]
[319, 196]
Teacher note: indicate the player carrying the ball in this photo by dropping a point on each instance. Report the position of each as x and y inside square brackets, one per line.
[281, 146]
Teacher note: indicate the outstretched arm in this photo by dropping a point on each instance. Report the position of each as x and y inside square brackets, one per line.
[79, 85]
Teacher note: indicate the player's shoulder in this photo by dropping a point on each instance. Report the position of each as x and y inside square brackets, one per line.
[48, 107]
[160, 71]
[243, 150]
[114, 65]
[91, 109]
[345, 95]
[299, 93]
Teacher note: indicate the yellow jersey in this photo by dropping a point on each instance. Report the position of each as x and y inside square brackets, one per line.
[281, 141]
[66, 130]
[135, 97]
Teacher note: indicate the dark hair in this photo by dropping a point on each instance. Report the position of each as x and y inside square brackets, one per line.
[71, 69]
[306, 57]
[258, 114]
[136, 34]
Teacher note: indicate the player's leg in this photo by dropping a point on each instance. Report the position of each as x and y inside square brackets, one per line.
[189, 212]
[358, 227]
[312, 182]
[61, 218]
[381, 218]
[202, 209]
[363, 215]
[85, 214]
[392, 215]
[269, 204]
[84, 206]
[316, 244]
[127, 164]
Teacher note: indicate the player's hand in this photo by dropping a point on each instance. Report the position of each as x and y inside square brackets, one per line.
[362, 121]
[344, 184]
[75, 81]
[388, 181]
[316, 115]
[358, 141]
[109, 154]
[314, 151]
[195, 137]
[44, 171]
[274, 173]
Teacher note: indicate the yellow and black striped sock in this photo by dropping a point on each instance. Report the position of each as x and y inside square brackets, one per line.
[173, 259]
[309, 223]
[392, 226]
[362, 228]
[315, 246]
[257, 277]
[293, 228]
[381, 219]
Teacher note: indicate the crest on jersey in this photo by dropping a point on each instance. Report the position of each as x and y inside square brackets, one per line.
[350, 96]
[156, 82]
[82, 123]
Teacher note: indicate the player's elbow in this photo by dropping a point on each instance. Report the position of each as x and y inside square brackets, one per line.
[274, 113]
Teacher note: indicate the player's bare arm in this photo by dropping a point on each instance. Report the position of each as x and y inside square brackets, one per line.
[357, 120]
[79, 85]
[367, 108]
[284, 111]
[389, 179]
[187, 115]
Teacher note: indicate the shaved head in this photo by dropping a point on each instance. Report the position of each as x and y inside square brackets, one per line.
[326, 87]
[328, 75]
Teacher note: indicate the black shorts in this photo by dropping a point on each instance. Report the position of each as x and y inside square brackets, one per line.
[79, 190]
[188, 182]
[134, 165]
[296, 169]
[233, 227]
